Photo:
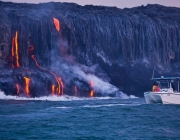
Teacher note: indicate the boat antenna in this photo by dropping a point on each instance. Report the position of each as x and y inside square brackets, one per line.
[153, 73]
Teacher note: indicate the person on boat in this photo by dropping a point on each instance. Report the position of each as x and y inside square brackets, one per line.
[157, 89]
[154, 87]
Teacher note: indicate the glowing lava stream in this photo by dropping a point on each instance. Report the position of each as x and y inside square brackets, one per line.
[53, 89]
[57, 24]
[92, 91]
[59, 81]
[58, 90]
[12, 52]
[27, 81]
[17, 55]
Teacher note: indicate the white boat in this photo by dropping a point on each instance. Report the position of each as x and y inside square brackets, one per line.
[173, 98]
[151, 98]
[167, 93]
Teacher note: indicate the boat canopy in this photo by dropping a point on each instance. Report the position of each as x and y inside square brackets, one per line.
[169, 81]
[166, 78]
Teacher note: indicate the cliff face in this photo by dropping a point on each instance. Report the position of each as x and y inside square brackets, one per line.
[50, 44]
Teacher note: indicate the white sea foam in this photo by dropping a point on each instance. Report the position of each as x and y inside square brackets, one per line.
[63, 107]
[133, 97]
[58, 98]
[43, 98]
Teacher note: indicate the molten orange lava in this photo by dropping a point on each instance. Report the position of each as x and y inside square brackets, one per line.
[57, 24]
[53, 89]
[17, 55]
[59, 82]
[58, 79]
[17, 87]
[36, 62]
[12, 53]
[92, 93]
[62, 85]
[27, 81]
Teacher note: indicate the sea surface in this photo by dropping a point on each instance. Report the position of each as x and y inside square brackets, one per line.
[72, 118]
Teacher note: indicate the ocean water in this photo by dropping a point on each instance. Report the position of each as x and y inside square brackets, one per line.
[74, 118]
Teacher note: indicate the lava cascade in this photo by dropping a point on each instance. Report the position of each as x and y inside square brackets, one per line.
[57, 24]
[14, 51]
[92, 91]
[58, 79]
[27, 86]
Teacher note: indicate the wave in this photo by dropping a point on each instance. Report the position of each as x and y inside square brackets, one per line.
[58, 98]
[96, 106]
[133, 97]
[109, 105]
[63, 107]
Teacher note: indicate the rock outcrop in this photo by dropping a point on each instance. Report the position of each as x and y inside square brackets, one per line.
[48, 42]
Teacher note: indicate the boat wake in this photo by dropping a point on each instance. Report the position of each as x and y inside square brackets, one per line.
[109, 105]
[59, 98]
[97, 106]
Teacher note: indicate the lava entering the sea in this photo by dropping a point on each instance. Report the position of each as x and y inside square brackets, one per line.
[27, 82]
[53, 89]
[60, 87]
[92, 91]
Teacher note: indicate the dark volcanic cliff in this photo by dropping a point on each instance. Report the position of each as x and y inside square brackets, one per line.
[119, 46]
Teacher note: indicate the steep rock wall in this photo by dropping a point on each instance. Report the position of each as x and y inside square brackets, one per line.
[127, 44]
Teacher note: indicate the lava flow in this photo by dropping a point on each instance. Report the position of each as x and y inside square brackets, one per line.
[27, 82]
[58, 79]
[57, 24]
[17, 55]
[53, 89]
[15, 49]
[92, 91]
[58, 89]
[37, 63]
[12, 53]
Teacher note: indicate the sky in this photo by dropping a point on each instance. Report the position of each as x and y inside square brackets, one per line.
[117, 3]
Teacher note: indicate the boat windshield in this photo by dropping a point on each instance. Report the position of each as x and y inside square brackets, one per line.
[164, 84]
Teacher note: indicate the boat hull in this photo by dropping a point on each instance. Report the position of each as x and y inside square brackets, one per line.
[152, 97]
[171, 98]
[148, 98]
[156, 97]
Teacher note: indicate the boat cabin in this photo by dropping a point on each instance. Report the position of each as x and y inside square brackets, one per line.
[168, 83]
